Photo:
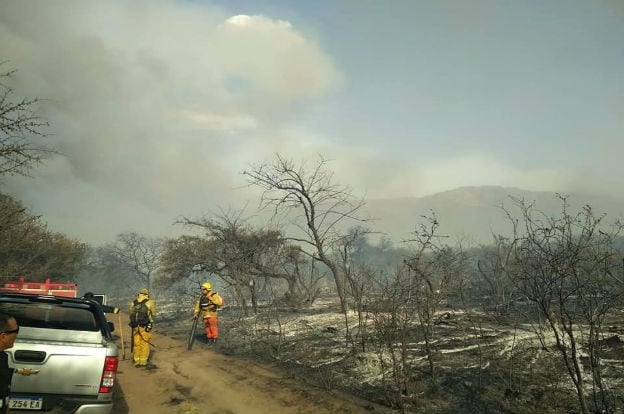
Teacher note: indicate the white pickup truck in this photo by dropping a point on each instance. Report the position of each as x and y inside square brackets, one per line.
[64, 358]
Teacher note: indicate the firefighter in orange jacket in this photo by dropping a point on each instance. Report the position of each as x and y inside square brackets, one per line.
[208, 305]
[142, 312]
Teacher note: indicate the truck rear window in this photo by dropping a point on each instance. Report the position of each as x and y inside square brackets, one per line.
[44, 315]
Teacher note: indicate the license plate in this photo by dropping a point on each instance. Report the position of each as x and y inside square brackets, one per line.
[26, 403]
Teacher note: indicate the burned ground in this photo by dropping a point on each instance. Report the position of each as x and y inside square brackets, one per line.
[483, 364]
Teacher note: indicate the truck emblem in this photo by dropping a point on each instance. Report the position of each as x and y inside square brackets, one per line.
[27, 371]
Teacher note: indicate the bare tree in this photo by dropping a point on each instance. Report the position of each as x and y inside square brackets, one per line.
[491, 265]
[360, 277]
[139, 254]
[305, 277]
[434, 269]
[321, 209]
[393, 317]
[19, 125]
[564, 265]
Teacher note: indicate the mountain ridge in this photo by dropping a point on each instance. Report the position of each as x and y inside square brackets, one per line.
[475, 213]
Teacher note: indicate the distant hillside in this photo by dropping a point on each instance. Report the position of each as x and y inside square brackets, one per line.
[474, 213]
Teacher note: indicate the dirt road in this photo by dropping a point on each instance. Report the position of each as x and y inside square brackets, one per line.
[202, 381]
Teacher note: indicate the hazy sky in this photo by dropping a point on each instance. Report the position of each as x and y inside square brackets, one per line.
[158, 106]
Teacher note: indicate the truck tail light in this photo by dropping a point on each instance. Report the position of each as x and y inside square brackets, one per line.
[108, 376]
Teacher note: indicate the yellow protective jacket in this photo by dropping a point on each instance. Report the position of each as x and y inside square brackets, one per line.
[151, 306]
[208, 305]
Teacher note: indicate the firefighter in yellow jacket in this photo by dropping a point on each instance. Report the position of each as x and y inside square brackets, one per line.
[208, 305]
[142, 312]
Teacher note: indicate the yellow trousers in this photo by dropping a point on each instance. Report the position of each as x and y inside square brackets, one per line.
[141, 342]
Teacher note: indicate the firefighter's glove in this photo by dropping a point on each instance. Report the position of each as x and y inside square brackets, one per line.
[195, 317]
[148, 327]
[116, 310]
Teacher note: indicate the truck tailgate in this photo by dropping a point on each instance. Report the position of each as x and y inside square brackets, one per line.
[37, 369]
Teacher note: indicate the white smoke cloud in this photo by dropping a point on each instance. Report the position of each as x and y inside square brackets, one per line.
[156, 105]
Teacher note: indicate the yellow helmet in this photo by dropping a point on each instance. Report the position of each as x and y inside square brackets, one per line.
[144, 292]
[206, 286]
